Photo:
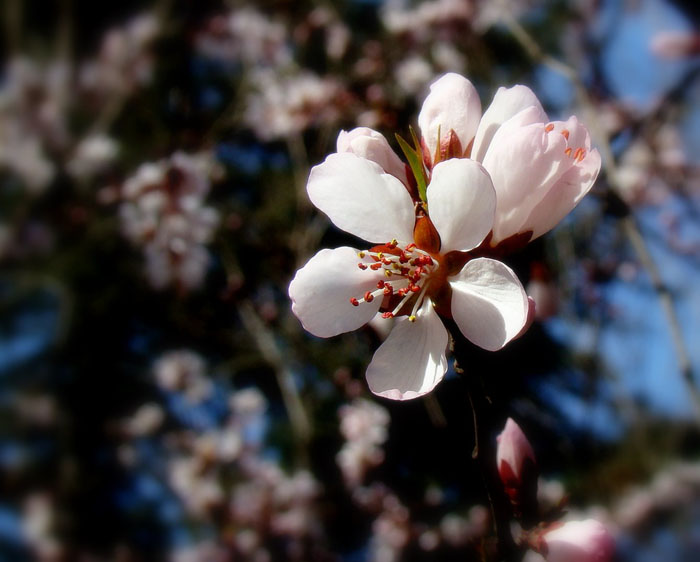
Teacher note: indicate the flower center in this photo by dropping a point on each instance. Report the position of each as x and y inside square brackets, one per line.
[408, 271]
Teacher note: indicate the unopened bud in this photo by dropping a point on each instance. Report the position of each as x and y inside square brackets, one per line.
[517, 469]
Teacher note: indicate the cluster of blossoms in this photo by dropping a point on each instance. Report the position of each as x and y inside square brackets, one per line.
[283, 97]
[220, 473]
[364, 426]
[163, 212]
[35, 101]
[280, 106]
[474, 187]
[125, 60]
[396, 530]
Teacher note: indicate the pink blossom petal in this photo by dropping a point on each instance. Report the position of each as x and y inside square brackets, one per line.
[507, 103]
[412, 359]
[453, 104]
[523, 163]
[513, 450]
[463, 185]
[488, 303]
[322, 289]
[360, 198]
[531, 171]
[370, 144]
[579, 541]
[564, 195]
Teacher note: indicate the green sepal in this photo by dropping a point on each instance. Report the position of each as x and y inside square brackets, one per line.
[415, 161]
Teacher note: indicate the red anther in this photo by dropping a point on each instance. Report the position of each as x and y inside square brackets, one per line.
[387, 315]
[369, 297]
[354, 301]
[414, 288]
[402, 292]
[418, 272]
[410, 247]
[386, 261]
[391, 245]
[388, 290]
[565, 133]
[362, 266]
[376, 266]
[380, 284]
[405, 270]
[403, 258]
[549, 128]
[568, 151]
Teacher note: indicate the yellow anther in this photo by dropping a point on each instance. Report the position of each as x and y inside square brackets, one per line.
[380, 255]
[387, 272]
[361, 254]
[411, 318]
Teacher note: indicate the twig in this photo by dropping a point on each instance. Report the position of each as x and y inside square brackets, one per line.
[629, 224]
[269, 349]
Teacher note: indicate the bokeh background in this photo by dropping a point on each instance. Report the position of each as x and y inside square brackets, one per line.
[159, 401]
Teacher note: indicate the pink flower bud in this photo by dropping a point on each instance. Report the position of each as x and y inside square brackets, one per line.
[513, 453]
[578, 541]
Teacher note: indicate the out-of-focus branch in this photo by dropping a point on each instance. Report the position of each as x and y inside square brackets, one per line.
[13, 25]
[265, 341]
[629, 224]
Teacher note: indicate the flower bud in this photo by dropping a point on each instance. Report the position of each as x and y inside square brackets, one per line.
[517, 469]
[578, 541]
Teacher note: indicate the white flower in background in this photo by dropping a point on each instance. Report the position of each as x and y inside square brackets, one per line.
[364, 425]
[125, 61]
[183, 371]
[32, 120]
[283, 105]
[413, 73]
[92, 155]
[164, 213]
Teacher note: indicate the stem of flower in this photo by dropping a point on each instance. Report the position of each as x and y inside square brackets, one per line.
[484, 452]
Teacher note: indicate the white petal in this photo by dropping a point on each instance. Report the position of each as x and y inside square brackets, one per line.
[412, 359]
[507, 103]
[370, 144]
[453, 104]
[488, 303]
[360, 198]
[461, 203]
[322, 289]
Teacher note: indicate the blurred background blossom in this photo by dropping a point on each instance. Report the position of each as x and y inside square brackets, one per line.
[158, 401]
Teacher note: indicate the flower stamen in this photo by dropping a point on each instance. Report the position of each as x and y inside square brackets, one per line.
[412, 269]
